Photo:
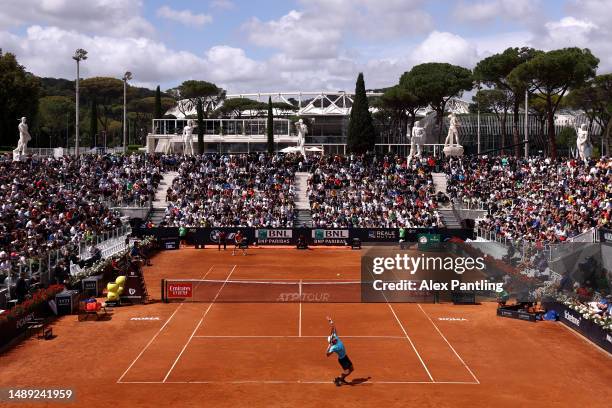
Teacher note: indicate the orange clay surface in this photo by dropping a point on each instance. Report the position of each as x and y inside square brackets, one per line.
[273, 354]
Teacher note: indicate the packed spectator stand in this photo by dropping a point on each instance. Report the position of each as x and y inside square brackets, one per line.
[53, 203]
[537, 200]
[254, 190]
[373, 191]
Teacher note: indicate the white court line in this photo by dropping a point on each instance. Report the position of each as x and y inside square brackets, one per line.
[295, 337]
[300, 318]
[410, 340]
[296, 382]
[157, 334]
[406, 334]
[199, 324]
[449, 345]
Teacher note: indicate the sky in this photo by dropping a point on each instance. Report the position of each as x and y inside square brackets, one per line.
[288, 45]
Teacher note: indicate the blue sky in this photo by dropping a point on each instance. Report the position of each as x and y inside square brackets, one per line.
[306, 45]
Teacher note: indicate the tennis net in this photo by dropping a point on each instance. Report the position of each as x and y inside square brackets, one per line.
[251, 291]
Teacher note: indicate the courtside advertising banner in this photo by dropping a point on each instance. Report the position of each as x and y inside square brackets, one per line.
[179, 290]
[274, 236]
[330, 236]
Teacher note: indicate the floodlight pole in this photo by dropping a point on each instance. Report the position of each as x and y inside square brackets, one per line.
[126, 77]
[478, 122]
[79, 55]
[526, 124]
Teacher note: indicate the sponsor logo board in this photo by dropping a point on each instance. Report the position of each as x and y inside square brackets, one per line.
[180, 290]
[327, 236]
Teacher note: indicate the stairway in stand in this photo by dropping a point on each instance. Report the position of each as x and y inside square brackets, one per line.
[302, 204]
[448, 217]
[439, 182]
[446, 211]
[158, 212]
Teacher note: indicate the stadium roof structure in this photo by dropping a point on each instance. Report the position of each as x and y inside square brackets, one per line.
[324, 103]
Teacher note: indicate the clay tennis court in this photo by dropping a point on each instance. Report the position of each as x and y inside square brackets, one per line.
[231, 353]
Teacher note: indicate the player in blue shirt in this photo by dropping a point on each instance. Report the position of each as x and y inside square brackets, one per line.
[336, 346]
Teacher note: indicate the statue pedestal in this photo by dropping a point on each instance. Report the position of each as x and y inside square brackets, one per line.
[453, 151]
[16, 156]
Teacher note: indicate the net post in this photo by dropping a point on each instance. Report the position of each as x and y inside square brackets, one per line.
[163, 286]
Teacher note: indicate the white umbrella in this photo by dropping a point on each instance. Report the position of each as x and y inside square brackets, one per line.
[313, 149]
[290, 149]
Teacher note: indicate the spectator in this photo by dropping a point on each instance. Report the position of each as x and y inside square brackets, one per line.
[22, 288]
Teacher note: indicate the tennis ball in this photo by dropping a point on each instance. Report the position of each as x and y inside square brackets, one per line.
[112, 296]
[119, 290]
[120, 280]
[112, 287]
[337, 274]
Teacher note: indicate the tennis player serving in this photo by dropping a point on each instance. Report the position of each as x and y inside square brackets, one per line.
[336, 346]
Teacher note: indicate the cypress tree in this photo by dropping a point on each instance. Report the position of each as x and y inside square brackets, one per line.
[158, 107]
[361, 134]
[270, 127]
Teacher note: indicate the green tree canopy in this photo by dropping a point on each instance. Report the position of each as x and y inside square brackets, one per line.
[235, 106]
[54, 116]
[498, 101]
[398, 101]
[361, 134]
[107, 92]
[93, 123]
[494, 72]
[436, 83]
[158, 109]
[149, 106]
[595, 99]
[552, 74]
[190, 92]
[19, 93]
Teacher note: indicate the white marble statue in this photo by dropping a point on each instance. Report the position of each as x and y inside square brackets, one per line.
[451, 144]
[24, 138]
[187, 138]
[583, 143]
[302, 129]
[416, 141]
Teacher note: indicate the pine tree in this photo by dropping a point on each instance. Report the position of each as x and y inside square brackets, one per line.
[270, 127]
[361, 134]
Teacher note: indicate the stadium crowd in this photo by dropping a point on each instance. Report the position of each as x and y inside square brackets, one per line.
[536, 199]
[373, 191]
[48, 203]
[254, 190]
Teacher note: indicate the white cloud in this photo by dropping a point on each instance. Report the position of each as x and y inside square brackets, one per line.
[319, 28]
[296, 35]
[570, 30]
[228, 64]
[490, 10]
[108, 17]
[446, 47]
[186, 17]
[586, 26]
[222, 5]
